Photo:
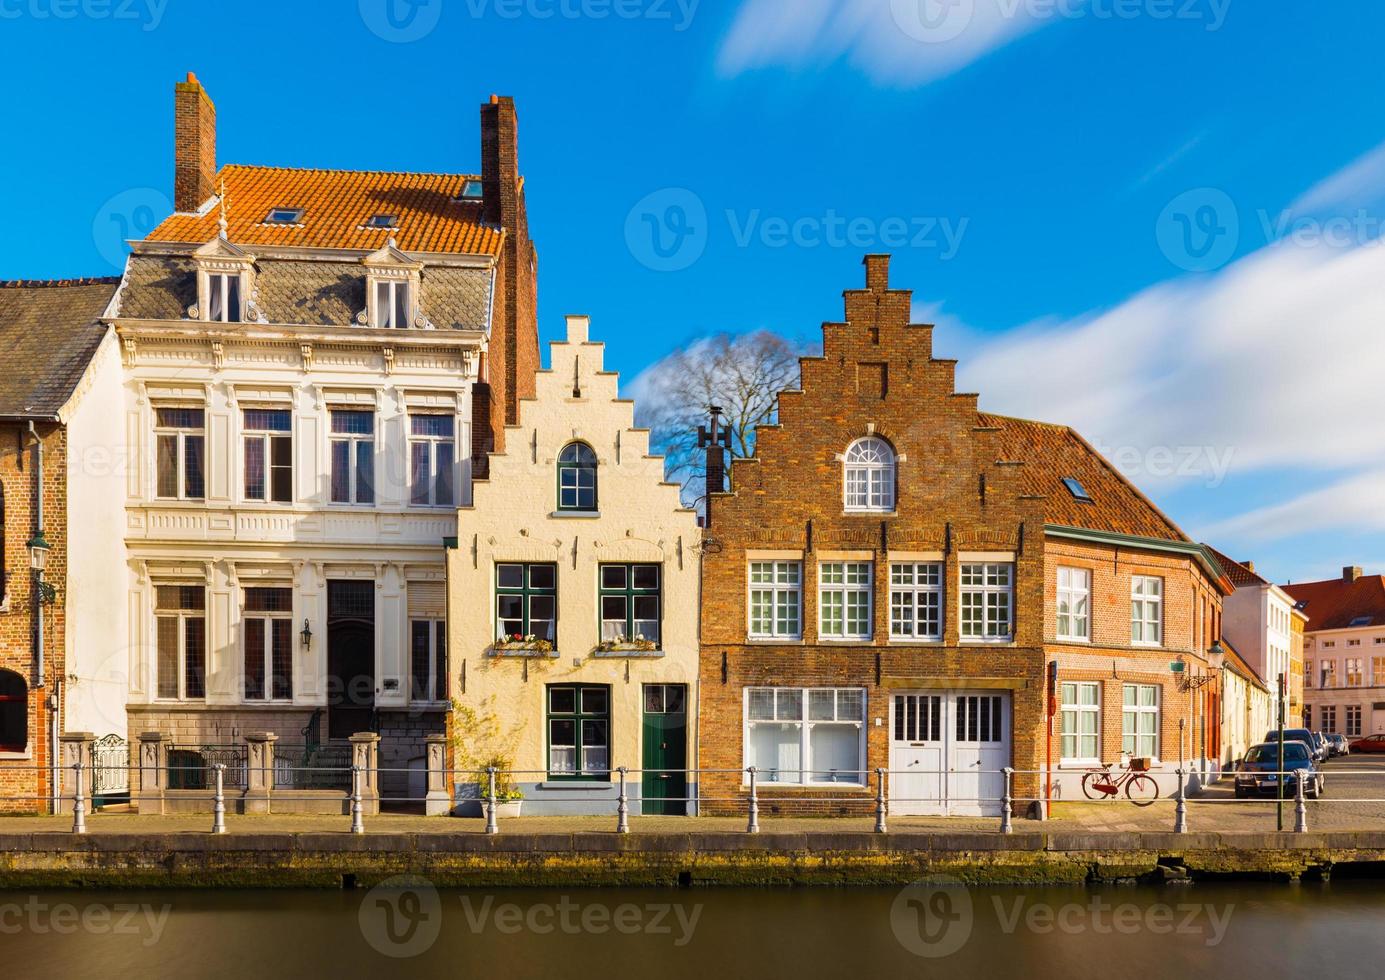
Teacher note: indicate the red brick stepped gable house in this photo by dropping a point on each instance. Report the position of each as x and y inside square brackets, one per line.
[891, 575]
[52, 339]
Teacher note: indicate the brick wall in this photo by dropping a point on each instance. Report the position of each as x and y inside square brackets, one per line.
[17, 475]
[513, 357]
[957, 495]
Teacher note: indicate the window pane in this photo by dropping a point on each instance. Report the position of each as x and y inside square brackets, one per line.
[443, 494]
[594, 700]
[543, 577]
[365, 472]
[850, 705]
[674, 698]
[775, 750]
[168, 656]
[562, 700]
[341, 472]
[822, 705]
[509, 576]
[195, 657]
[194, 480]
[401, 305]
[347, 422]
[835, 753]
[789, 705]
[282, 467]
[420, 659]
[432, 425]
[168, 466]
[613, 576]
[420, 472]
[761, 704]
[254, 468]
[646, 576]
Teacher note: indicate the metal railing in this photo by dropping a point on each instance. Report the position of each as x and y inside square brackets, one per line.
[307, 766]
[873, 793]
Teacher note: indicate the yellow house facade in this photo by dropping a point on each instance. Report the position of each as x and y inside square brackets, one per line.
[572, 607]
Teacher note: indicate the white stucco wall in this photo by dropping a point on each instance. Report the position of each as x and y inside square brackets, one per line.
[514, 518]
[97, 628]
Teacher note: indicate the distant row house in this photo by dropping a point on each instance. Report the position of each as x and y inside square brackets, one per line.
[1344, 652]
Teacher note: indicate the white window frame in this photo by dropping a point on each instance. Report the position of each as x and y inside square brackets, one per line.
[780, 586]
[985, 596]
[868, 484]
[916, 587]
[264, 618]
[180, 464]
[1074, 594]
[847, 587]
[437, 683]
[1327, 671]
[1078, 709]
[353, 441]
[267, 438]
[181, 617]
[1359, 673]
[1137, 711]
[1327, 718]
[432, 442]
[385, 318]
[218, 291]
[1143, 602]
[1352, 722]
[805, 723]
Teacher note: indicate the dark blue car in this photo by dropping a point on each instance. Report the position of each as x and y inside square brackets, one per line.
[1257, 773]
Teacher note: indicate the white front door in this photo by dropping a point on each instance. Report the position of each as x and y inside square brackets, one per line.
[946, 752]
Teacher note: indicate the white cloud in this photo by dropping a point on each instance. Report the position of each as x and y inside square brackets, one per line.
[1356, 186]
[1357, 503]
[895, 42]
[1275, 362]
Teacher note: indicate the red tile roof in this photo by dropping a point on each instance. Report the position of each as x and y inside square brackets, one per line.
[336, 206]
[1052, 453]
[1333, 604]
[1240, 575]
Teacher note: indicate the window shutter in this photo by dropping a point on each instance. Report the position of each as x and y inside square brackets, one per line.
[427, 600]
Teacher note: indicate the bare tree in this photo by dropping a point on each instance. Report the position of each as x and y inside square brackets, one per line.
[743, 375]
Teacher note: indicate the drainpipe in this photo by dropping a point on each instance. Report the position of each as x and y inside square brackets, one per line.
[38, 525]
[54, 767]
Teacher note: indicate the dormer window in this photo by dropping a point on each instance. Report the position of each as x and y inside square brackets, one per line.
[391, 304]
[284, 216]
[223, 297]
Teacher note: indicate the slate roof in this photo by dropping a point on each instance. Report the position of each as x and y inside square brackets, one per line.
[336, 206]
[1240, 575]
[1051, 453]
[309, 292]
[49, 331]
[1333, 604]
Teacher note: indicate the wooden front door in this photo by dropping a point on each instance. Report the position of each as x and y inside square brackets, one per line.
[350, 658]
[664, 786]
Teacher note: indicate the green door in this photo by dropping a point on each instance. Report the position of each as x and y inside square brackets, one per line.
[665, 748]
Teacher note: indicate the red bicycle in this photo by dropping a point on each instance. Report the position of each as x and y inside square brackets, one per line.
[1140, 787]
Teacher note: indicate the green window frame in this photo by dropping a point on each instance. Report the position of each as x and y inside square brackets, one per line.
[526, 600]
[577, 726]
[577, 477]
[631, 605]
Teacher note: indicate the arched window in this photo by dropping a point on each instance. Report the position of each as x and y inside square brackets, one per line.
[14, 712]
[577, 477]
[868, 475]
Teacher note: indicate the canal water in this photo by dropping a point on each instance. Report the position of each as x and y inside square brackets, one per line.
[1256, 930]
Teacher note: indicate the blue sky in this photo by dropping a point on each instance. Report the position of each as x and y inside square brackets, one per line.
[1151, 219]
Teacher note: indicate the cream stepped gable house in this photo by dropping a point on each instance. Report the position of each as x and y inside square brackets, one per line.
[313, 363]
[1344, 653]
[573, 598]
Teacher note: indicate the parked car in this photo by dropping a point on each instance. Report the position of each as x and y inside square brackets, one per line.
[1337, 745]
[1258, 772]
[1299, 735]
[1371, 743]
[1324, 750]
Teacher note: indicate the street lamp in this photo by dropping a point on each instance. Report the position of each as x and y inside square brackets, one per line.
[306, 635]
[38, 552]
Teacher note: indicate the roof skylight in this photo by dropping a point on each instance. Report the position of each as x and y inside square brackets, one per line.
[284, 216]
[1075, 488]
[471, 191]
[382, 221]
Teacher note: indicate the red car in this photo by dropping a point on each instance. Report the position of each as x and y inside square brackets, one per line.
[1371, 743]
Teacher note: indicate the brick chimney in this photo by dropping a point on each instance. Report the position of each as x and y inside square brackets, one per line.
[513, 358]
[194, 145]
[1351, 573]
